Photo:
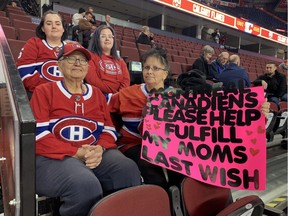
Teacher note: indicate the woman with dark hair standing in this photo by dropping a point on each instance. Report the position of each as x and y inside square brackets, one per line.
[37, 61]
[107, 70]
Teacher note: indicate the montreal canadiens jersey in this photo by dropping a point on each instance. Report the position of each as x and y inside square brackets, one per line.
[129, 103]
[37, 63]
[108, 74]
[67, 121]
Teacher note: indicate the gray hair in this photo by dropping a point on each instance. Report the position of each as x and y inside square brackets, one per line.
[207, 49]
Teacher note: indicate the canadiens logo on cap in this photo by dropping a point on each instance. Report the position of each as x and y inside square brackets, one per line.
[71, 47]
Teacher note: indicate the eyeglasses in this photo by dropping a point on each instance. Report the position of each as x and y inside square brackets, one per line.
[72, 60]
[153, 68]
[106, 36]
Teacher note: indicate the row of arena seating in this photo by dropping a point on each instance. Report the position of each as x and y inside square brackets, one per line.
[18, 28]
[195, 197]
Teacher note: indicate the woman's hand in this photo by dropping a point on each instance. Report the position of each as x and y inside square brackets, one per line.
[265, 108]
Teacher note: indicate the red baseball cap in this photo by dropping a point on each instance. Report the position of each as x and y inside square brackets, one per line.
[71, 47]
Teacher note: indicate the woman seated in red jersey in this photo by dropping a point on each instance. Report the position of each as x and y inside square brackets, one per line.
[129, 103]
[76, 155]
[37, 61]
[107, 71]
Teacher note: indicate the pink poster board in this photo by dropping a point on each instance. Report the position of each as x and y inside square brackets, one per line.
[216, 138]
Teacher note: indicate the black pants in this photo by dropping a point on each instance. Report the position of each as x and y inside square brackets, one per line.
[153, 174]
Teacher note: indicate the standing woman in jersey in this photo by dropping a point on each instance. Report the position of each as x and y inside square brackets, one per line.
[107, 71]
[37, 61]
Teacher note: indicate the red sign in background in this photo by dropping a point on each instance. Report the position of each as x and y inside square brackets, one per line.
[197, 9]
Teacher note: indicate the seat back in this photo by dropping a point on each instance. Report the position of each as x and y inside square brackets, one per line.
[15, 47]
[202, 199]
[10, 32]
[271, 121]
[281, 125]
[250, 205]
[140, 200]
[25, 34]
[129, 52]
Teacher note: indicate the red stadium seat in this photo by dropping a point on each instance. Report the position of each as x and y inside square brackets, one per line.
[22, 24]
[203, 199]
[10, 32]
[172, 51]
[143, 200]
[129, 38]
[15, 47]
[180, 59]
[4, 21]
[190, 60]
[128, 43]
[176, 69]
[183, 53]
[2, 13]
[252, 76]
[186, 67]
[282, 120]
[129, 52]
[271, 121]
[24, 18]
[15, 11]
[143, 46]
[25, 34]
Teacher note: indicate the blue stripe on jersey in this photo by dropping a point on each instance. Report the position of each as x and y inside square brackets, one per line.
[132, 126]
[28, 70]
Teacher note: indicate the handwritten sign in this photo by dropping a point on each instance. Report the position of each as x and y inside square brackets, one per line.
[215, 137]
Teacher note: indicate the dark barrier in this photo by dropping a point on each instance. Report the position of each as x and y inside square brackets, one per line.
[17, 139]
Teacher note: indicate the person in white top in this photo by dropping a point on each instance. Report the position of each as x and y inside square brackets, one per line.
[77, 16]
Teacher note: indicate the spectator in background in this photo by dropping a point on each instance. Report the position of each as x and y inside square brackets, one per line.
[234, 74]
[284, 65]
[218, 65]
[37, 60]
[216, 36]
[77, 163]
[77, 16]
[145, 37]
[93, 20]
[274, 82]
[87, 28]
[75, 21]
[13, 4]
[107, 71]
[202, 63]
[107, 21]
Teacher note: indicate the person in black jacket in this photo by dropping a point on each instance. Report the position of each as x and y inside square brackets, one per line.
[145, 37]
[274, 82]
[107, 21]
[202, 63]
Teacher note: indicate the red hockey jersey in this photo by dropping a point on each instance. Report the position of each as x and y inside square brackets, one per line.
[129, 103]
[108, 74]
[37, 63]
[67, 121]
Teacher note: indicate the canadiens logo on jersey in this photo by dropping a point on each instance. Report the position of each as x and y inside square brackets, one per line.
[110, 67]
[50, 71]
[76, 130]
